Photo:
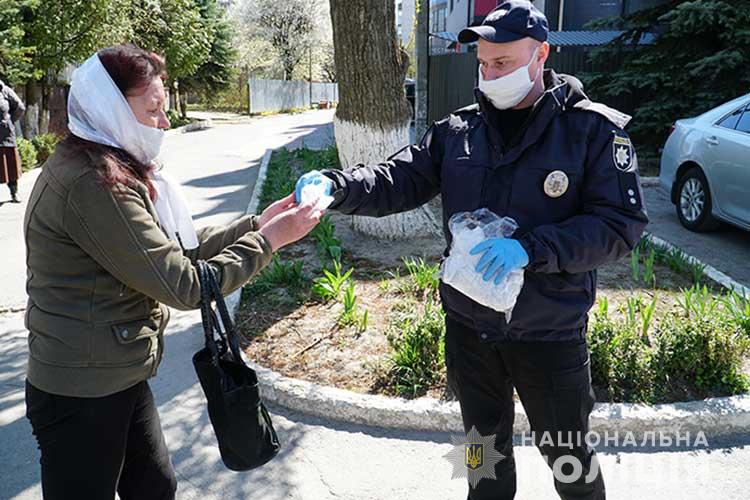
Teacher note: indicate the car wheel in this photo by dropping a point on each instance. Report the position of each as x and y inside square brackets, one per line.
[694, 202]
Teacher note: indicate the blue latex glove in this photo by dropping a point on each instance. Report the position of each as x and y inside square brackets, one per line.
[501, 256]
[313, 177]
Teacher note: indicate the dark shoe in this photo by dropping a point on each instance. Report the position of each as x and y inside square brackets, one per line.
[14, 199]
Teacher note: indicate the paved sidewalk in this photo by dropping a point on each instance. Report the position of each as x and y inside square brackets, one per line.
[322, 460]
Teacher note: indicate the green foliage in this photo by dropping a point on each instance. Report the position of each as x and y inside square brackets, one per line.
[329, 247]
[648, 270]
[64, 32]
[16, 55]
[424, 278]
[350, 315]
[674, 258]
[217, 71]
[698, 61]
[705, 352]
[418, 352]
[279, 274]
[329, 287]
[312, 159]
[620, 359]
[635, 264]
[737, 308]
[27, 152]
[176, 120]
[174, 28]
[698, 352]
[281, 178]
[45, 145]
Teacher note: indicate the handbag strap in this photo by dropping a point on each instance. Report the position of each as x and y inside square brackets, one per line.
[213, 292]
[207, 314]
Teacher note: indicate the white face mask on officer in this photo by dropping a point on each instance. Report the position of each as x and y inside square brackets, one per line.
[509, 90]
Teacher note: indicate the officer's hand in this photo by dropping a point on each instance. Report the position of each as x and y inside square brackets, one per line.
[313, 178]
[501, 256]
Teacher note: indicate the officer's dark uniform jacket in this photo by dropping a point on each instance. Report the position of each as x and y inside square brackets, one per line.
[598, 219]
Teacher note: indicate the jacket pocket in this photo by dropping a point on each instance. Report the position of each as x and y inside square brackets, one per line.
[126, 343]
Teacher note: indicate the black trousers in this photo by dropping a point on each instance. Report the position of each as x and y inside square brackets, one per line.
[13, 186]
[92, 447]
[553, 381]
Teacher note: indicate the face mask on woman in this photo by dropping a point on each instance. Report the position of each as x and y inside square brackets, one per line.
[98, 112]
[509, 90]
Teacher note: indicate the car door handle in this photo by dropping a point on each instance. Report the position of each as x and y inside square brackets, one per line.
[713, 141]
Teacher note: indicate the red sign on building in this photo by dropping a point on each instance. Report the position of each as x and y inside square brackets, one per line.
[483, 7]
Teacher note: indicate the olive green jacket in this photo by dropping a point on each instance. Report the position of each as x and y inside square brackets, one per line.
[101, 271]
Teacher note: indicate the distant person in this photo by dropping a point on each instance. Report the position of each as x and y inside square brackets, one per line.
[11, 110]
[110, 244]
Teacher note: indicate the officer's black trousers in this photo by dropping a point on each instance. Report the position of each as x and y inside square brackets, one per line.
[553, 381]
[92, 447]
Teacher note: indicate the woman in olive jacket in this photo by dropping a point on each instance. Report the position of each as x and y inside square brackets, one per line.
[102, 269]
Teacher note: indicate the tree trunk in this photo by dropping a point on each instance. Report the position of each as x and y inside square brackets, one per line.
[33, 103]
[44, 114]
[183, 105]
[372, 119]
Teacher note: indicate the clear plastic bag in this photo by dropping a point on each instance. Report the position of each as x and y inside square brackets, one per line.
[458, 270]
[316, 194]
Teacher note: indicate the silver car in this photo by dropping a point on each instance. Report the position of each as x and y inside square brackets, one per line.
[705, 167]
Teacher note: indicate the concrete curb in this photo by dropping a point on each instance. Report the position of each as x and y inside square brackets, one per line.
[709, 271]
[649, 182]
[713, 416]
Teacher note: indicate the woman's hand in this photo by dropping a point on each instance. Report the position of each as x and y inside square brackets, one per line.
[291, 225]
[275, 209]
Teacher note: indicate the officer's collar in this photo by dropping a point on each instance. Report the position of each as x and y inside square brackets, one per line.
[561, 93]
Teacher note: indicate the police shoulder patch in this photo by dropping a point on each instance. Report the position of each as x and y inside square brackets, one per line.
[623, 153]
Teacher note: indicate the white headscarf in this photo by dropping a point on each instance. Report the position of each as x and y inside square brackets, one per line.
[98, 112]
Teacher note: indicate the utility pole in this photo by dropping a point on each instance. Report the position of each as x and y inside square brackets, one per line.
[422, 51]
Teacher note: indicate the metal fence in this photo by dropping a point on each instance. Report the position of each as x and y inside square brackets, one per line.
[276, 95]
[453, 78]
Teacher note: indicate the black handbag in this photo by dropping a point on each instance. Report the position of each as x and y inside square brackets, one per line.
[240, 420]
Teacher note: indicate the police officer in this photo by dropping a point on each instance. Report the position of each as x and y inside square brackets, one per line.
[536, 149]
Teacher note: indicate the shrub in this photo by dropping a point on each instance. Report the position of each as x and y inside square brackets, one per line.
[27, 152]
[45, 145]
[696, 353]
[703, 353]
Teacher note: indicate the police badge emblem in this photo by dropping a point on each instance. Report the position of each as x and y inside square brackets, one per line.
[474, 455]
[622, 153]
[556, 184]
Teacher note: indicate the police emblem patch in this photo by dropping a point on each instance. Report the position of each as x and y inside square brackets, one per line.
[556, 184]
[622, 153]
[474, 457]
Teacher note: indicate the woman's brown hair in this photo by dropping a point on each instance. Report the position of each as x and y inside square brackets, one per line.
[131, 68]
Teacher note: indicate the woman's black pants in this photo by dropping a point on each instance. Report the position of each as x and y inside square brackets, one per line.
[92, 447]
